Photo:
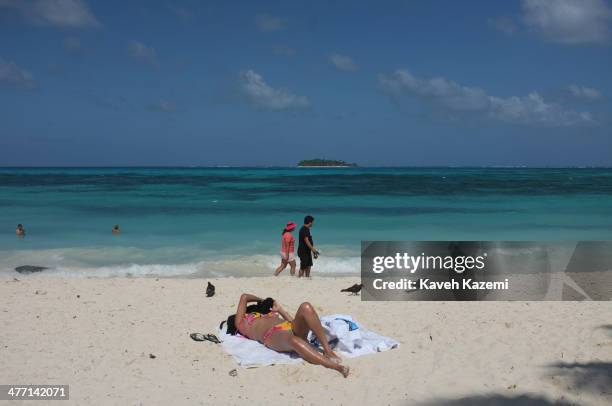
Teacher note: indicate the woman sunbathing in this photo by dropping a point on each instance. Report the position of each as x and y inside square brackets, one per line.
[271, 325]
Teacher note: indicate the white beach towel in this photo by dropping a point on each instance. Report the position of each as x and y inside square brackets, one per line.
[346, 336]
[250, 353]
[351, 339]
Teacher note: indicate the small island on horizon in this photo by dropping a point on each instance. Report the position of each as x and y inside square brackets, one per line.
[325, 163]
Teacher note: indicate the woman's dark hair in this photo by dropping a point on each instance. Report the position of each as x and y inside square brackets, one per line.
[262, 307]
[19, 226]
[308, 219]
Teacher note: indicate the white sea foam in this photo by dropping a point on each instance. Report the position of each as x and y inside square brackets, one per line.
[89, 263]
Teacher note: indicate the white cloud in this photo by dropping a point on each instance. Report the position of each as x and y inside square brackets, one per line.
[584, 93]
[73, 46]
[58, 13]
[266, 22]
[454, 98]
[284, 50]
[110, 101]
[13, 75]
[533, 109]
[142, 53]
[569, 22]
[263, 96]
[503, 24]
[164, 106]
[181, 12]
[343, 63]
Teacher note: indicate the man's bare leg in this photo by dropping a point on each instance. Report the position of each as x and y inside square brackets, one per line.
[304, 272]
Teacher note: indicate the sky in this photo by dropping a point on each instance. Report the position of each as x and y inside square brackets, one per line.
[385, 83]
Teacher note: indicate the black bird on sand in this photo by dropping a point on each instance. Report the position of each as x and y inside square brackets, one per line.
[355, 289]
[210, 290]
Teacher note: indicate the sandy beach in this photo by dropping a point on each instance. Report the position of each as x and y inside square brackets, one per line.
[96, 335]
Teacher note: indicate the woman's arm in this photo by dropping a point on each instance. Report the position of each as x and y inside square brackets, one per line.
[278, 308]
[245, 298]
[284, 245]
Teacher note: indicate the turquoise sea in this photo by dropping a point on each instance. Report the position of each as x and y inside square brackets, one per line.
[228, 221]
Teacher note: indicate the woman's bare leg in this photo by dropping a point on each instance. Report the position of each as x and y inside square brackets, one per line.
[281, 267]
[306, 319]
[307, 352]
[292, 265]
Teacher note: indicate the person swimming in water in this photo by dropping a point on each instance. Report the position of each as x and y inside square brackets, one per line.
[116, 229]
[20, 231]
[287, 250]
[267, 322]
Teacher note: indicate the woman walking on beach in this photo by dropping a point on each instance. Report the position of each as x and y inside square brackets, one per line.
[287, 250]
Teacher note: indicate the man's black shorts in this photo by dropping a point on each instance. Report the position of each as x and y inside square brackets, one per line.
[305, 259]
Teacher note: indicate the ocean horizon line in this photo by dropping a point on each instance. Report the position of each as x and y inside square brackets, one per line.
[304, 167]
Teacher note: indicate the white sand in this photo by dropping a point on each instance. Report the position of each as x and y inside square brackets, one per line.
[100, 343]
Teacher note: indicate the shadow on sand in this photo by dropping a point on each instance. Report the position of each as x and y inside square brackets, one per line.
[606, 327]
[594, 376]
[495, 399]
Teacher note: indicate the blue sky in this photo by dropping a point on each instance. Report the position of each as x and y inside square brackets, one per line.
[269, 83]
